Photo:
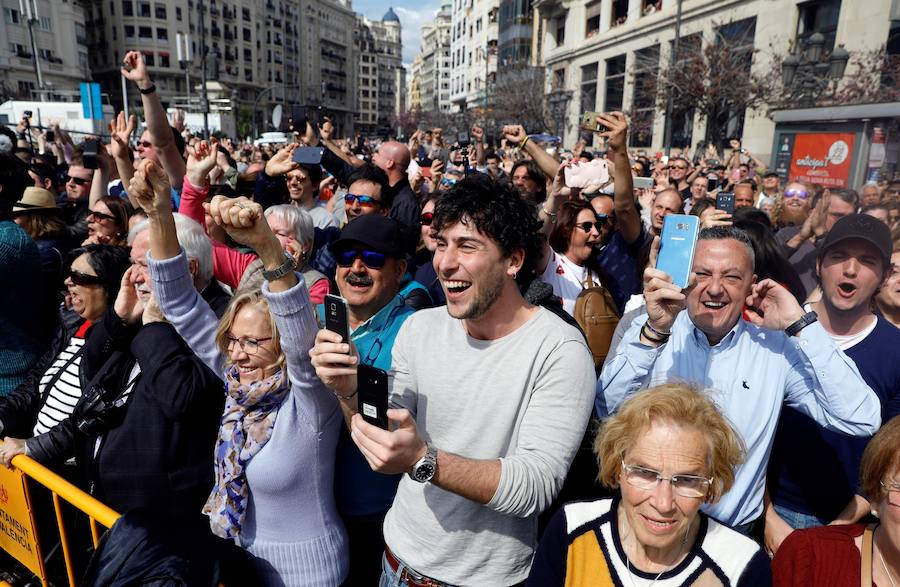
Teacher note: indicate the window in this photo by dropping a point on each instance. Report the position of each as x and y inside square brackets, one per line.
[615, 83]
[162, 34]
[247, 35]
[129, 31]
[820, 16]
[589, 87]
[248, 55]
[560, 35]
[145, 32]
[730, 121]
[149, 59]
[161, 11]
[682, 119]
[178, 13]
[164, 60]
[25, 88]
[44, 24]
[144, 9]
[83, 61]
[646, 72]
[12, 16]
[619, 10]
[112, 7]
[592, 14]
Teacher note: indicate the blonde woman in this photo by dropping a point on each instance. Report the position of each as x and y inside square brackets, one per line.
[669, 451]
[274, 457]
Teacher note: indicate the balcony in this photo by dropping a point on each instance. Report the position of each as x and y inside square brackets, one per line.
[228, 14]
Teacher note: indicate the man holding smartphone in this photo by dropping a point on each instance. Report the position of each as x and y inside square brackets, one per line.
[487, 423]
[371, 261]
[780, 356]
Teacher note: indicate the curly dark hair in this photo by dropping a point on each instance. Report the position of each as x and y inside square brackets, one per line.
[496, 210]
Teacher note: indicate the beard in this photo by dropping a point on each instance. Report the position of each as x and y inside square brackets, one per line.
[791, 216]
[483, 300]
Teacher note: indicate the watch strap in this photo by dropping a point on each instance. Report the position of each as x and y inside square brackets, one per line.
[802, 323]
[148, 90]
[286, 267]
[430, 457]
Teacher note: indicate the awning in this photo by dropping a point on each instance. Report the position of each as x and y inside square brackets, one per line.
[831, 113]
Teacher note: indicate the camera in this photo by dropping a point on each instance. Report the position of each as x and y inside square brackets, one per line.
[99, 411]
[28, 114]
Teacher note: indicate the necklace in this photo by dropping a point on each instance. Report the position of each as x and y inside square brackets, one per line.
[887, 571]
[652, 583]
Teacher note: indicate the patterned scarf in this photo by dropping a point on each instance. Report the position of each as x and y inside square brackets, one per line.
[246, 427]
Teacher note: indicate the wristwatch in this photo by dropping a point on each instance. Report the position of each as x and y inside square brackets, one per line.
[425, 468]
[286, 267]
[802, 323]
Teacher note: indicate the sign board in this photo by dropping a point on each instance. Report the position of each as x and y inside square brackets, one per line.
[822, 158]
[91, 106]
[17, 534]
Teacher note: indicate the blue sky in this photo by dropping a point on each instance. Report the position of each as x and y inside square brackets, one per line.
[413, 14]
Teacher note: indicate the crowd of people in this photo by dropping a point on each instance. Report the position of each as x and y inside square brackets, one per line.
[561, 412]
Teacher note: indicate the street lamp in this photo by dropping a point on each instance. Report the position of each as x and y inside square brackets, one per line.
[807, 77]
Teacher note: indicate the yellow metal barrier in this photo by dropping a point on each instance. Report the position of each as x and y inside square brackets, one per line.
[17, 526]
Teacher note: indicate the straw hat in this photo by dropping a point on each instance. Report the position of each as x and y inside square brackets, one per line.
[36, 199]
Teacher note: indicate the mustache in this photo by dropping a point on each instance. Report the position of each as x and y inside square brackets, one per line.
[354, 279]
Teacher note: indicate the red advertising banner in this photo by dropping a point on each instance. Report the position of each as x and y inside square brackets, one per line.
[824, 159]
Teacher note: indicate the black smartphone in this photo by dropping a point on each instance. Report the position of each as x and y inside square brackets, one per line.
[463, 139]
[89, 153]
[336, 316]
[712, 183]
[725, 201]
[372, 387]
[49, 136]
[298, 118]
[308, 155]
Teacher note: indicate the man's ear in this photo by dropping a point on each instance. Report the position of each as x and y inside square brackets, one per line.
[516, 261]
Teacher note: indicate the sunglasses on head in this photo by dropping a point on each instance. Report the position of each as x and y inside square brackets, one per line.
[371, 259]
[100, 215]
[426, 218]
[77, 180]
[364, 201]
[792, 193]
[79, 278]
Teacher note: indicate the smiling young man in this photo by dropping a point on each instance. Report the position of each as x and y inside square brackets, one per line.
[854, 262]
[490, 419]
[783, 357]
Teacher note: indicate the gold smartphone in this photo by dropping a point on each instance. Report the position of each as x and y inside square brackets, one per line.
[589, 122]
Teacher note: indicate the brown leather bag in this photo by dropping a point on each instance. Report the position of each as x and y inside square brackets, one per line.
[595, 312]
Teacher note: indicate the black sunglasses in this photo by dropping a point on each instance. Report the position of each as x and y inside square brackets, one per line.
[587, 226]
[426, 218]
[77, 180]
[79, 278]
[100, 215]
[371, 259]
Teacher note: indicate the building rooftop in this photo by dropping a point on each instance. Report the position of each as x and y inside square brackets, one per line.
[390, 16]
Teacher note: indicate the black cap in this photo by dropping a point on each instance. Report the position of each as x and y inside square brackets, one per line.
[863, 227]
[380, 233]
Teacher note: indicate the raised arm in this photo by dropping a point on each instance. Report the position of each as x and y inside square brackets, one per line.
[516, 135]
[627, 216]
[157, 122]
[100, 181]
[120, 131]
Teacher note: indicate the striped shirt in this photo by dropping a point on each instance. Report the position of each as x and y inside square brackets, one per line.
[64, 384]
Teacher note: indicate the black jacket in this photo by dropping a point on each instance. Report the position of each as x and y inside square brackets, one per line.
[161, 453]
[19, 409]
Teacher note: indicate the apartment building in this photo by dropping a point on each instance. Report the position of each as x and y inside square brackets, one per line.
[434, 82]
[591, 49]
[473, 52]
[60, 36]
[381, 75]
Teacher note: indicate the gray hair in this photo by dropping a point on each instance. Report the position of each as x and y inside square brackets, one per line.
[192, 238]
[297, 217]
[714, 233]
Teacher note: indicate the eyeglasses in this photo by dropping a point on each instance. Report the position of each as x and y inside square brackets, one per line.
[448, 181]
[248, 345]
[684, 167]
[83, 279]
[371, 259]
[683, 485]
[426, 218]
[364, 201]
[100, 216]
[893, 492]
[145, 144]
[77, 180]
[587, 226]
[793, 193]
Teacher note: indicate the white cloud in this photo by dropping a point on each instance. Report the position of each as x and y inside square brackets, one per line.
[412, 21]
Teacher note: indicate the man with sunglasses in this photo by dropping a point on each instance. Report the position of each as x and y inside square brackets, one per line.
[371, 262]
[74, 207]
[679, 171]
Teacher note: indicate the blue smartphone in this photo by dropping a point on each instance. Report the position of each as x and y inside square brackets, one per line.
[676, 247]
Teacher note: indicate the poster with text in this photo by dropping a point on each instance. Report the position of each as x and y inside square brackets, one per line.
[824, 158]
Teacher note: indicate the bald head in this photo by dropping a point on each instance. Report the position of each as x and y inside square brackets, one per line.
[393, 158]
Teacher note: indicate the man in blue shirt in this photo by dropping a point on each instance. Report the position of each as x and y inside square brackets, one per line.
[782, 357]
[853, 262]
[370, 266]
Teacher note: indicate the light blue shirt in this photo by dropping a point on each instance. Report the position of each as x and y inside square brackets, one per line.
[751, 373]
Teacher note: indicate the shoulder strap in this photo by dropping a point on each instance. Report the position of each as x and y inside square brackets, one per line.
[865, 575]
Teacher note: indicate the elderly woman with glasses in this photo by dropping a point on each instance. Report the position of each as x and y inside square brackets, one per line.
[566, 264]
[274, 456]
[854, 554]
[669, 451]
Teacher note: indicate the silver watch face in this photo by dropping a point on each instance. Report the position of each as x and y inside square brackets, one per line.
[424, 472]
